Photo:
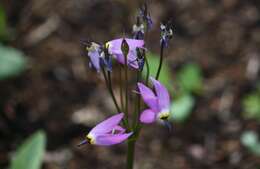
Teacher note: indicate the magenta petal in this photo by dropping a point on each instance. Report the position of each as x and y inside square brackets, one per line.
[118, 129]
[120, 58]
[131, 59]
[162, 94]
[148, 96]
[148, 116]
[107, 125]
[134, 43]
[115, 45]
[110, 139]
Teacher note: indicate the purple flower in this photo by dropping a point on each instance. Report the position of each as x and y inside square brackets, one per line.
[108, 132]
[158, 102]
[97, 57]
[138, 29]
[94, 50]
[166, 34]
[145, 15]
[114, 48]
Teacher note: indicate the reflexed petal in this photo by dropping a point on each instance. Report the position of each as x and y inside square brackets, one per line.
[148, 96]
[107, 125]
[162, 94]
[94, 59]
[110, 139]
[131, 59]
[148, 116]
[120, 58]
[115, 45]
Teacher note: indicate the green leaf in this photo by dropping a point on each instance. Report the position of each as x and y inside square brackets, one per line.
[251, 106]
[12, 62]
[181, 108]
[30, 153]
[165, 74]
[250, 140]
[190, 78]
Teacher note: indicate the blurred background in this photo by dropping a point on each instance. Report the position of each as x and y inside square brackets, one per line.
[211, 68]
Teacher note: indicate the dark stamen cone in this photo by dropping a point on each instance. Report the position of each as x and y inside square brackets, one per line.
[82, 143]
[168, 125]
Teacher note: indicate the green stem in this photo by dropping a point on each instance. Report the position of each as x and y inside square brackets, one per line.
[109, 87]
[138, 102]
[126, 89]
[112, 93]
[121, 87]
[130, 154]
[147, 70]
[161, 61]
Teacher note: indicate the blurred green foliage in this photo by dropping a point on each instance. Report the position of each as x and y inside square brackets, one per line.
[30, 154]
[165, 74]
[12, 62]
[250, 140]
[189, 79]
[181, 107]
[251, 105]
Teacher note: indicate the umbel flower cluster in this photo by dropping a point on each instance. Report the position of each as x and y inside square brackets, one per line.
[151, 100]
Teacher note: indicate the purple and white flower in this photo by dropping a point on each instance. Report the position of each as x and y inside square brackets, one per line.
[114, 48]
[94, 51]
[108, 132]
[97, 57]
[166, 34]
[158, 102]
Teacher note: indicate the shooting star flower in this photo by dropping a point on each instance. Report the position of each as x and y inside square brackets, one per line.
[114, 48]
[108, 132]
[158, 102]
[97, 57]
[166, 34]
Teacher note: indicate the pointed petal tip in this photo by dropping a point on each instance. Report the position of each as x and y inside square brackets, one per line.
[108, 124]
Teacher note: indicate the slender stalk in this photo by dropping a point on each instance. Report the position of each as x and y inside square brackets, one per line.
[130, 154]
[109, 87]
[126, 88]
[112, 93]
[138, 103]
[147, 70]
[121, 87]
[161, 61]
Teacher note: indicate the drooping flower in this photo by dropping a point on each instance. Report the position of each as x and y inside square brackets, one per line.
[108, 132]
[145, 15]
[97, 57]
[94, 50]
[166, 34]
[158, 102]
[138, 29]
[114, 48]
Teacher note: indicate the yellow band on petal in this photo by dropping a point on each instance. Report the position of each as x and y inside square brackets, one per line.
[164, 115]
[90, 139]
[107, 45]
